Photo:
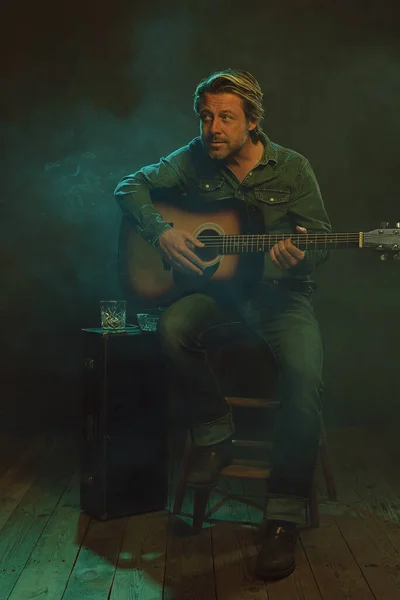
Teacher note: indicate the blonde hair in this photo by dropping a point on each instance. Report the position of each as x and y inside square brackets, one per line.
[241, 83]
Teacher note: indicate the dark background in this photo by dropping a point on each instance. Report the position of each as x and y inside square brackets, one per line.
[92, 91]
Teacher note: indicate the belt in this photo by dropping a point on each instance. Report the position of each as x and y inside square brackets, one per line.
[301, 286]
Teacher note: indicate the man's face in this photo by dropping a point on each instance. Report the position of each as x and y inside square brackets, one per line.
[223, 125]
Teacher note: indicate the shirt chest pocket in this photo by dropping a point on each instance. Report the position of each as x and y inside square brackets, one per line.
[273, 203]
[209, 189]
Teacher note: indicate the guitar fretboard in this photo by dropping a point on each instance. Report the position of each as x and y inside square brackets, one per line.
[238, 244]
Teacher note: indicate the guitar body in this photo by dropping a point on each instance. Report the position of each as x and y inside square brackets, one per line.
[148, 281]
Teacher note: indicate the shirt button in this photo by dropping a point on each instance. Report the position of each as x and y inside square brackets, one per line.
[272, 199]
[207, 186]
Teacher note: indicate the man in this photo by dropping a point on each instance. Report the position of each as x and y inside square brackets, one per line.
[234, 158]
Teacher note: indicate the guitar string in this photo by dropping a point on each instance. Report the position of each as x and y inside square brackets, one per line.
[231, 239]
[310, 246]
[271, 235]
[255, 240]
[264, 238]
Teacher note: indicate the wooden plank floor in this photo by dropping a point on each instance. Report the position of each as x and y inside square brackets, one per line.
[49, 549]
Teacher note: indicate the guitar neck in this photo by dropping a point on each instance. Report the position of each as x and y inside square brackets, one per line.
[238, 244]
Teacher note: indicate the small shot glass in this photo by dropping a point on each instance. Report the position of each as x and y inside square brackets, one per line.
[149, 318]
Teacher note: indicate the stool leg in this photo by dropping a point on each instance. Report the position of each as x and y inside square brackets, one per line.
[179, 496]
[181, 485]
[327, 467]
[199, 508]
[313, 505]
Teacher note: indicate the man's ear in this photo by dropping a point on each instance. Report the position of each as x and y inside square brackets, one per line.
[252, 125]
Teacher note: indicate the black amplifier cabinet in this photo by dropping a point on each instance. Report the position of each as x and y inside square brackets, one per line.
[124, 429]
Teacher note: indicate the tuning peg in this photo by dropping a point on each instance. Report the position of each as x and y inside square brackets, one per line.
[384, 257]
[384, 224]
[397, 225]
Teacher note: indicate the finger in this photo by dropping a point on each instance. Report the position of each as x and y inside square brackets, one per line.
[303, 229]
[183, 264]
[293, 250]
[182, 249]
[274, 257]
[191, 256]
[287, 253]
[193, 239]
[285, 259]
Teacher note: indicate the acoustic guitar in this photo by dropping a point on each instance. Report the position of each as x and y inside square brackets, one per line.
[234, 245]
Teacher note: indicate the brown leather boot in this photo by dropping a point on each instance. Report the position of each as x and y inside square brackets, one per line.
[277, 556]
[207, 462]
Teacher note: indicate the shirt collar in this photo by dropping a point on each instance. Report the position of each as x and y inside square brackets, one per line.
[270, 153]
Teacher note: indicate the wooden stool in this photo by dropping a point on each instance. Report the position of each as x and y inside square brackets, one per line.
[245, 368]
[249, 469]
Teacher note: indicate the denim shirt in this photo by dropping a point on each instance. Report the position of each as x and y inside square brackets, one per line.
[283, 185]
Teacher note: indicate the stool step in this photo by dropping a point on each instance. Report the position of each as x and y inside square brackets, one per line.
[247, 469]
[252, 444]
[251, 402]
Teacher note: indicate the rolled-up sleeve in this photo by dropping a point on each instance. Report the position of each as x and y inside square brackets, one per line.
[307, 209]
[134, 196]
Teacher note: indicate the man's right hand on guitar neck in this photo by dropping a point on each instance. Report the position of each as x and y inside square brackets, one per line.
[175, 247]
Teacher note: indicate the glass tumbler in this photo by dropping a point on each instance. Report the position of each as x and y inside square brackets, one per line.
[113, 314]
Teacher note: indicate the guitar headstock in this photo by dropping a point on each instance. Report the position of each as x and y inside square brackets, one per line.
[385, 240]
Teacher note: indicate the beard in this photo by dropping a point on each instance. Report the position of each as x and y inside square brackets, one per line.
[222, 151]
[218, 153]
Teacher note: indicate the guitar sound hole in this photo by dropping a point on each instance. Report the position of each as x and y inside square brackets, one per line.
[208, 254]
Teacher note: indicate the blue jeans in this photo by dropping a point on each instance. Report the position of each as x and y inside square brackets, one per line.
[287, 323]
